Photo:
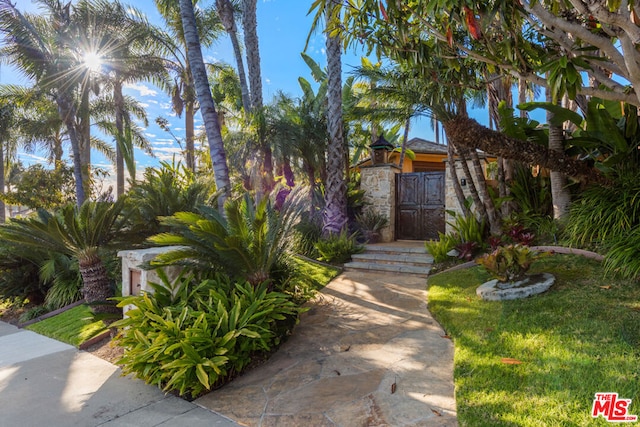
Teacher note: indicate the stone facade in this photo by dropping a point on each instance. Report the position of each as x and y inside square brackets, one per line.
[379, 183]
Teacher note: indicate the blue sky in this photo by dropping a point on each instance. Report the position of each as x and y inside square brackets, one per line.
[283, 26]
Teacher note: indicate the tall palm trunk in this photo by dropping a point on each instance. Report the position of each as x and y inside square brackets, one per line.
[559, 192]
[2, 183]
[118, 100]
[207, 106]
[335, 211]
[250, 26]
[225, 12]
[67, 113]
[190, 134]
[84, 138]
[405, 138]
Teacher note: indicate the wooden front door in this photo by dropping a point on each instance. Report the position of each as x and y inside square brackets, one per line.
[420, 205]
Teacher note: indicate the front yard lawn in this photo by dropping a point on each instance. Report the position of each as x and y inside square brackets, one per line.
[539, 361]
[73, 326]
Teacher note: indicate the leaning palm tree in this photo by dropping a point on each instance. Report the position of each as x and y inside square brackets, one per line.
[172, 46]
[207, 106]
[80, 232]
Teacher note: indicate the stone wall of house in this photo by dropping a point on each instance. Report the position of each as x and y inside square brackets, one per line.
[379, 183]
[451, 201]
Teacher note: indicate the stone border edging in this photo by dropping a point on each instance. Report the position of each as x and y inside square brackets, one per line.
[557, 249]
[91, 341]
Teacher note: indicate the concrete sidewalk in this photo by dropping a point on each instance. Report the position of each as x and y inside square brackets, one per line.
[44, 382]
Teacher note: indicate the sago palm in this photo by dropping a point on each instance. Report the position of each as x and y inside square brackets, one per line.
[81, 232]
[247, 243]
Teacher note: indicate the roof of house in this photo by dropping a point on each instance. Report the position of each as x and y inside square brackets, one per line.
[419, 145]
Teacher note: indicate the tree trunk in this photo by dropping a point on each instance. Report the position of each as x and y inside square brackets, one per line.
[492, 214]
[477, 201]
[335, 211]
[67, 113]
[405, 138]
[225, 11]
[3, 216]
[559, 191]
[456, 181]
[84, 138]
[96, 285]
[250, 25]
[207, 106]
[190, 135]
[466, 132]
[119, 106]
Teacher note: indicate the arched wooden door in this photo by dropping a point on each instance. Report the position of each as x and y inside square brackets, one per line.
[420, 205]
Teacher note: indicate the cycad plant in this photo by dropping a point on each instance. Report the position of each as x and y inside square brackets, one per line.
[248, 243]
[78, 232]
[163, 192]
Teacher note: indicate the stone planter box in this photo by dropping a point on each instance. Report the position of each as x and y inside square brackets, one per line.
[135, 279]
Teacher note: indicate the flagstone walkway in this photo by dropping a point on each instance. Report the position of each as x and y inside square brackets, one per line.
[367, 353]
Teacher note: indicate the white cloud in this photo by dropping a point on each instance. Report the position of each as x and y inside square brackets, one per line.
[33, 158]
[144, 90]
[144, 105]
[150, 135]
[268, 81]
[178, 129]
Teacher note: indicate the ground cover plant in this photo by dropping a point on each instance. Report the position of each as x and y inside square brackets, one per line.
[73, 326]
[191, 335]
[539, 361]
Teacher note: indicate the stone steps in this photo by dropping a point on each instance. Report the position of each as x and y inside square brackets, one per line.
[398, 257]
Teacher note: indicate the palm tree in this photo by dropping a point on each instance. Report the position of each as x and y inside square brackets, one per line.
[335, 213]
[124, 58]
[226, 13]
[207, 106]
[41, 47]
[80, 232]
[7, 121]
[173, 46]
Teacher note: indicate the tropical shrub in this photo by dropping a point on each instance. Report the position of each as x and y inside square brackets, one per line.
[605, 213]
[162, 192]
[62, 273]
[338, 248]
[306, 234]
[371, 223]
[190, 336]
[441, 247]
[623, 257]
[248, 243]
[467, 228]
[509, 263]
[79, 232]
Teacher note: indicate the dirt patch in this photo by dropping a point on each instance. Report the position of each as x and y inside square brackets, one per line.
[106, 350]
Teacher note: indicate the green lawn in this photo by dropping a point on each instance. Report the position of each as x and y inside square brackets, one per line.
[73, 326]
[581, 337]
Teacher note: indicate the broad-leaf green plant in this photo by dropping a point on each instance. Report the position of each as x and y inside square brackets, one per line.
[338, 248]
[509, 263]
[190, 336]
